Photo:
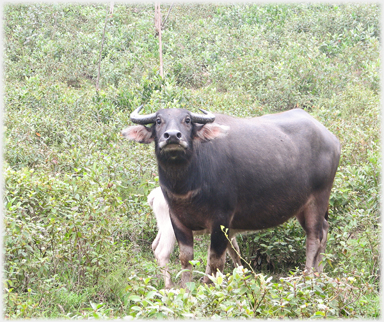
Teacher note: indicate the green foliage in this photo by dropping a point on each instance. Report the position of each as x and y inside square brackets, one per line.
[77, 227]
[244, 295]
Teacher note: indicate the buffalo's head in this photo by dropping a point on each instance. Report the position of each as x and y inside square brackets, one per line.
[174, 131]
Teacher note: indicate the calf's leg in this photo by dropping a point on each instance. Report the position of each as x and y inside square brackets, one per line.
[164, 244]
[184, 237]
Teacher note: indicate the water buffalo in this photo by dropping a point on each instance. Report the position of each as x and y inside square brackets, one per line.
[165, 239]
[245, 174]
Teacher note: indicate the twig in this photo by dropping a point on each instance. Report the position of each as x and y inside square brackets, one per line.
[225, 230]
[54, 26]
[61, 308]
[109, 11]
[165, 20]
[353, 300]
[259, 302]
[158, 29]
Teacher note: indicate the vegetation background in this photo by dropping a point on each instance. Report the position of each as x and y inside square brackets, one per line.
[78, 229]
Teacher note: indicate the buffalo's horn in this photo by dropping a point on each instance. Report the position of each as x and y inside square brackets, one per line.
[142, 119]
[198, 118]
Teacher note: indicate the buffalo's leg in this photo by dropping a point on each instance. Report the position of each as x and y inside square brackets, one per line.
[208, 268]
[323, 243]
[216, 252]
[233, 253]
[184, 237]
[313, 218]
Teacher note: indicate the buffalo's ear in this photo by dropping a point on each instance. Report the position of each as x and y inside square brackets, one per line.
[138, 133]
[211, 131]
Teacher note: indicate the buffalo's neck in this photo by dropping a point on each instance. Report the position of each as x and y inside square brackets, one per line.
[179, 178]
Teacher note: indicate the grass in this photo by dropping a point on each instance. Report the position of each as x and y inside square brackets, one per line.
[78, 229]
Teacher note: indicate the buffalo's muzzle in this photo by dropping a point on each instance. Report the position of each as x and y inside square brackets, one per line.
[173, 138]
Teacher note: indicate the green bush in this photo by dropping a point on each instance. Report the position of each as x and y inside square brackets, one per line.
[244, 295]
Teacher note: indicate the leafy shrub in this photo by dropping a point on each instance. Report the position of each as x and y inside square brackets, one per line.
[244, 295]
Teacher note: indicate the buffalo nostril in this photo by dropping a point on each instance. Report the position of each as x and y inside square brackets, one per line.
[172, 135]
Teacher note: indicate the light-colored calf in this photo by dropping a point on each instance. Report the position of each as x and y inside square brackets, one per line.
[164, 242]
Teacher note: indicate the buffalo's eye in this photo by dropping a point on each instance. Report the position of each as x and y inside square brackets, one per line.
[158, 121]
[187, 120]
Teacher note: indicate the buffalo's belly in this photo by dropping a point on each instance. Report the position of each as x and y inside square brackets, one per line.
[257, 216]
[259, 220]
[249, 215]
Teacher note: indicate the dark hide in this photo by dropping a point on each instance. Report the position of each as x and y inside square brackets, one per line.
[244, 174]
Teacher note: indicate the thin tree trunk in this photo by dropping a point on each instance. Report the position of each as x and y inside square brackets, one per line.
[109, 13]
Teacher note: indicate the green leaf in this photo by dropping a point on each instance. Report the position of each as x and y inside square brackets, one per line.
[134, 298]
[320, 313]
[219, 280]
[151, 295]
[191, 286]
